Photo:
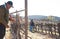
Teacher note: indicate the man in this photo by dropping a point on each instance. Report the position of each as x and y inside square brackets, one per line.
[4, 17]
[31, 25]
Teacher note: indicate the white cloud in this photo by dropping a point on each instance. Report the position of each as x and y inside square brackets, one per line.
[37, 7]
[42, 7]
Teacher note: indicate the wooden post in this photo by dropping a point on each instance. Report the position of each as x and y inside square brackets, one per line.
[18, 27]
[26, 20]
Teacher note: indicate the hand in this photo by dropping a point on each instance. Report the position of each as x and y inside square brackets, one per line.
[7, 26]
[11, 19]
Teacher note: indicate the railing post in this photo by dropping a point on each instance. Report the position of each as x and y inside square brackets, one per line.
[26, 20]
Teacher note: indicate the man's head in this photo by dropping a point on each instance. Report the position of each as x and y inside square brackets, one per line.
[9, 4]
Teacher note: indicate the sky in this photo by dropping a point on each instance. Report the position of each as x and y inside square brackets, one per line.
[36, 7]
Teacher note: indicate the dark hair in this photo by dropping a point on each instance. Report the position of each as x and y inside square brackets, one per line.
[10, 3]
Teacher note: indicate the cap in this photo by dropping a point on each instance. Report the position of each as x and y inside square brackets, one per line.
[10, 3]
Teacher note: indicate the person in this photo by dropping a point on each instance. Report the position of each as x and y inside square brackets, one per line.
[4, 17]
[31, 25]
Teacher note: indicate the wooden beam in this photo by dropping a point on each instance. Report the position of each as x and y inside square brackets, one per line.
[26, 20]
[17, 11]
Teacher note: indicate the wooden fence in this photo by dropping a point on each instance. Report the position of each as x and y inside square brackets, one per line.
[51, 29]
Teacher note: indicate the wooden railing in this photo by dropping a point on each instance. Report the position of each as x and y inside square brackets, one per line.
[22, 30]
[51, 29]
